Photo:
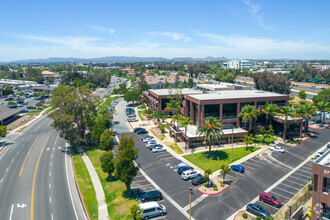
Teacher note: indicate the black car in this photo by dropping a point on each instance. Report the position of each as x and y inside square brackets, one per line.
[23, 111]
[182, 169]
[138, 129]
[154, 145]
[257, 210]
[142, 131]
[31, 107]
[198, 180]
[153, 195]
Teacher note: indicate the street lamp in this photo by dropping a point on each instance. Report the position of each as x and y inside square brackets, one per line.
[190, 193]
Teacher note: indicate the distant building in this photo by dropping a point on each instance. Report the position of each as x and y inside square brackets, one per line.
[158, 82]
[221, 87]
[240, 64]
[47, 74]
[322, 67]
[128, 71]
[7, 115]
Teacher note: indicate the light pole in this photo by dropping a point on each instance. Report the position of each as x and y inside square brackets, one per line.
[190, 192]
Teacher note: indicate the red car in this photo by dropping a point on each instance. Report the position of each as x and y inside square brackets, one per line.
[270, 199]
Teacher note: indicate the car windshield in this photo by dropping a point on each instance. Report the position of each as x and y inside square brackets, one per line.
[274, 198]
[261, 209]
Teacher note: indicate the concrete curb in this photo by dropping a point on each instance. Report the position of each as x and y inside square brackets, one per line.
[319, 128]
[77, 186]
[210, 194]
[305, 140]
[3, 146]
[238, 213]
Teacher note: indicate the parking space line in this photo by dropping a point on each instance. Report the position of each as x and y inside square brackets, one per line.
[167, 158]
[270, 205]
[245, 165]
[163, 155]
[136, 181]
[279, 194]
[305, 171]
[195, 202]
[228, 175]
[141, 185]
[283, 190]
[302, 175]
[295, 182]
[297, 178]
[261, 163]
[252, 164]
[288, 186]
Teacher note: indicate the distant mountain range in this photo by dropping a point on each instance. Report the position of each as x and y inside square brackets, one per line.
[115, 59]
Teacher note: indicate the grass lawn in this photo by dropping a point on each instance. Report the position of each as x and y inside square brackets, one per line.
[219, 157]
[140, 113]
[85, 186]
[48, 110]
[269, 140]
[174, 147]
[118, 206]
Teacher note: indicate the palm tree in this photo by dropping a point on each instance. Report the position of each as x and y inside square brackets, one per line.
[305, 110]
[176, 118]
[323, 107]
[174, 106]
[183, 121]
[286, 112]
[270, 110]
[211, 130]
[157, 115]
[249, 113]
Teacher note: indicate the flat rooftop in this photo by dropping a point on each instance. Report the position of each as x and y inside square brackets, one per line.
[236, 94]
[324, 160]
[219, 86]
[175, 91]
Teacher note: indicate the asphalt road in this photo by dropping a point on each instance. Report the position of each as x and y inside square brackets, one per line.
[35, 169]
[261, 173]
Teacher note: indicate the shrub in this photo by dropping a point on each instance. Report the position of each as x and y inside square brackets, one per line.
[215, 188]
[299, 141]
[269, 218]
[244, 215]
[206, 184]
[221, 184]
[258, 218]
[310, 186]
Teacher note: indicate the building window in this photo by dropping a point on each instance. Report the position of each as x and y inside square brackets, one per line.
[212, 110]
[259, 104]
[229, 111]
[279, 103]
[195, 109]
[325, 211]
[315, 180]
[245, 103]
[326, 185]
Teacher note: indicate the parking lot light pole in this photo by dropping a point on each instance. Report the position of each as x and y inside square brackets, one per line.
[190, 192]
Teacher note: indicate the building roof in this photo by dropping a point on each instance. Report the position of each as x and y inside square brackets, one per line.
[184, 91]
[6, 112]
[169, 79]
[236, 94]
[221, 86]
[324, 159]
[46, 72]
[127, 69]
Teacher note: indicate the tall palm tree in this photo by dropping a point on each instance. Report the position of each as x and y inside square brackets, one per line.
[185, 122]
[305, 110]
[270, 110]
[176, 118]
[173, 105]
[158, 115]
[249, 113]
[323, 107]
[211, 130]
[286, 112]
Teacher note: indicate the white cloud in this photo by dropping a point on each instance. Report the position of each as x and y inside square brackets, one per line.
[172, 35]
[103, 29]
[69, 41]
[254, 11]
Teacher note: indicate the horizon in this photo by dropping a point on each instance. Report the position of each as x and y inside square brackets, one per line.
[239, 29]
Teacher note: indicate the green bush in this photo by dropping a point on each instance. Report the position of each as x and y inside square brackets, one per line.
[215, 188]
[310, 186]
[269, 218]
[258, 218]
[206, 184]
[244, 215]
[221, 184]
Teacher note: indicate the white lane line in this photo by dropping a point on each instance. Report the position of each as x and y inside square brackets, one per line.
[11, 211]
[48, 148]
[59, 148]
[5, 151]
[51, 215]
[290, 186]
[295, 182]
[52, 156]
[50, 164]
[297, 178]
[7, 169]
[1, 180]
[50, 173]
[50, 199]
[49, 185]
[279, 194]
[17, 152]
[67, 179]
[13, 160]
[199, 199]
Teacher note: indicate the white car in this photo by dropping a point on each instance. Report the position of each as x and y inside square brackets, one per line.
[131, 119]
[318, 154]
[158, 149]
[277, 149]
[148, 139]
[190, 174]
[149, 143]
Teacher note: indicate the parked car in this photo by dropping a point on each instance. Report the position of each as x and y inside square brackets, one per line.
[151, 209]
[146, 137]
[277, 149]
[142, 132]
[31, 107]
[12, 106]
[138, 129]
[270, 199]
[257, 210]
[132, 119]
[184, 168]
[23, 111]
[129, 109]
[318, 154]
[198, 180]
[131, 115]
[153, 195]
[149, 143]
[158, 149]
[153, 146]
[238, 168]
[19, 105]
[190, 174]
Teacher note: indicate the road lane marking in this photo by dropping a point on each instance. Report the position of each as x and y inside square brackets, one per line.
[32, 147]
[52, 156]
[11, 211]
[5, 151]
[50, 199]
[67, 179]
[59, 148]
[51, 215]
[7, 169]
[34, 177]
[1, 180]
[50, 164]
[49, 185]
[13, 160]
[48, 148]
[50, 173]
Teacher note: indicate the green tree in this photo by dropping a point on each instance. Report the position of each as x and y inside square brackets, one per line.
[158, 115]
[224, 169]
[8, 90]
[3, 131]
[270, 110]
[207, 174]
[176, 81]
[173, 105]
[136, 212]
[125, 168]
[211, 131]
[323, 96]
[302, 94]
[183, 121]
[323, 107]
[247, 139]
[132, 95]
[77, 83]
[133, 79]
[286, 112]
[249, 114]
[142, 84]
[190, 82]
[74, 112]
[166, 84]
[107, 163]
[305, 110]
[162, 127]
[11, 103]
[175, 119]
[106, 140]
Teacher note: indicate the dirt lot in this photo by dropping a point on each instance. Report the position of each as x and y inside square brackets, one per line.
[19, 122]
[313, 84]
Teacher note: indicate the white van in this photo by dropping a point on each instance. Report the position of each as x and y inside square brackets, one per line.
[151, 209]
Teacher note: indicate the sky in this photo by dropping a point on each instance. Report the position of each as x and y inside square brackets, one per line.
[235, 29]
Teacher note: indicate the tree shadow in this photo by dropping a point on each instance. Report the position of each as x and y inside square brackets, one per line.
[250, 148]
[216, 155]
[131, 195]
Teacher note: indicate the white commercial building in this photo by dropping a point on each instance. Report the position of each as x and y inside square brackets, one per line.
[240, 64]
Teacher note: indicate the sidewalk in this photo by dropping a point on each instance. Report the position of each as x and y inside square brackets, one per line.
[100, 197]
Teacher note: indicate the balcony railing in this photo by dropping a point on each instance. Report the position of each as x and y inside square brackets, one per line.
[229, 116]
